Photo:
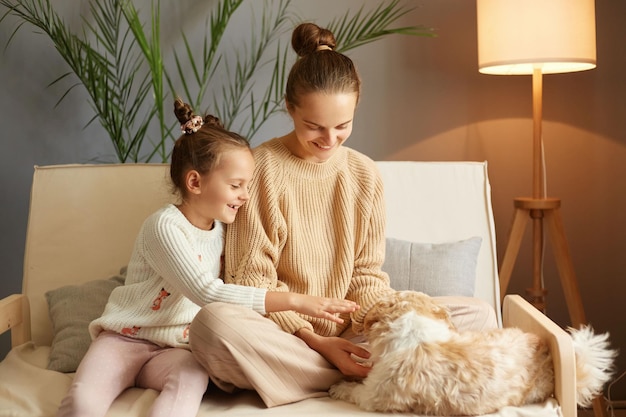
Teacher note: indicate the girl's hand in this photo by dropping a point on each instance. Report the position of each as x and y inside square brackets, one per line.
[322, 307]
[311, 305]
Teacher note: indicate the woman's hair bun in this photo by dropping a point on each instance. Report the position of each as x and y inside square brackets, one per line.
[308, 38]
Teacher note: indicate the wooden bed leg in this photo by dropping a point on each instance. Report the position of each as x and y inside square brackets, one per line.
[599, 407]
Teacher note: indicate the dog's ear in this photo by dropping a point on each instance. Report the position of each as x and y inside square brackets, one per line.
[379, 310]
[369, 318]
[374, 314]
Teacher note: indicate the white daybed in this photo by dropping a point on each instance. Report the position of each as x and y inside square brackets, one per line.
[83, 221]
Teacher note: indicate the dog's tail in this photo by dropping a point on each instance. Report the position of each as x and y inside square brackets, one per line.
[594, 363]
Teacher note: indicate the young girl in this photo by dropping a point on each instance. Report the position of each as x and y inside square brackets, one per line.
[142, 337]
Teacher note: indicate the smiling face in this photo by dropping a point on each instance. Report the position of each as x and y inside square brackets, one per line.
[218, 194]
[322, 123]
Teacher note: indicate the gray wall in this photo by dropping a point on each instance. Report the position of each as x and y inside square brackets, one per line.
[423, 99]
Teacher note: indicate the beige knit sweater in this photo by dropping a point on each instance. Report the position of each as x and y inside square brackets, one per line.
[312, 228]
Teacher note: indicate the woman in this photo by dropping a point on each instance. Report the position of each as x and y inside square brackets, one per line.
[315, 224]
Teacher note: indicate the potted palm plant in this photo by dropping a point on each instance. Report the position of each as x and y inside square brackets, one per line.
[118, 59]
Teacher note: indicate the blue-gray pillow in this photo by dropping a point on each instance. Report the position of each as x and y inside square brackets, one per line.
[437, 269]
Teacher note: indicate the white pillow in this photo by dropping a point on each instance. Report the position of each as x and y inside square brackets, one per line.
[437, 269]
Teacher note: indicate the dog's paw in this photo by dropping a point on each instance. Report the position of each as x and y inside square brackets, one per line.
[342, 390]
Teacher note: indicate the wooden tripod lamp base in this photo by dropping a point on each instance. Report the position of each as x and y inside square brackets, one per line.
[546, 211]
[526, 37]
[543, 212]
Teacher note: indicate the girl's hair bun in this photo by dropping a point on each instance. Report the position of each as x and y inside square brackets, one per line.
[191, 122]
[182, 110]
[211, 120]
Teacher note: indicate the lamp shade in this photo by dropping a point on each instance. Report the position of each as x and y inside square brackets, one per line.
[518, 36]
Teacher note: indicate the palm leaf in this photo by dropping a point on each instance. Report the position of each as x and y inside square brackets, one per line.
[118, 59]
[357, 29]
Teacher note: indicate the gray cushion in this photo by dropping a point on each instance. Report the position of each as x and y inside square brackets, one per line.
[436, 269]
[71, 309]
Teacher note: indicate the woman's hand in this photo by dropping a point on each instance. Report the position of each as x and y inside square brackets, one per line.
[322, 307]
[340, 352]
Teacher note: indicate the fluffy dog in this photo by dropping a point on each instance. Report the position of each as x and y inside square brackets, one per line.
[421, 364]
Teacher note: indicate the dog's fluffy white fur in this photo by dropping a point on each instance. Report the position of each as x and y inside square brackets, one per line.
[421, 364]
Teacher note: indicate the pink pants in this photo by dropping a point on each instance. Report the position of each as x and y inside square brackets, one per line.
[242, 349]
[114, 363]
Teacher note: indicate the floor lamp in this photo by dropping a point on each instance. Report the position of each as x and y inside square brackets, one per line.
[536, 37]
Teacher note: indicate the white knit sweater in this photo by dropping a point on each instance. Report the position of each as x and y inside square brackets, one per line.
[173, 271]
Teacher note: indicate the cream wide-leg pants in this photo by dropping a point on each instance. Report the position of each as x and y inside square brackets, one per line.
[241, 349]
